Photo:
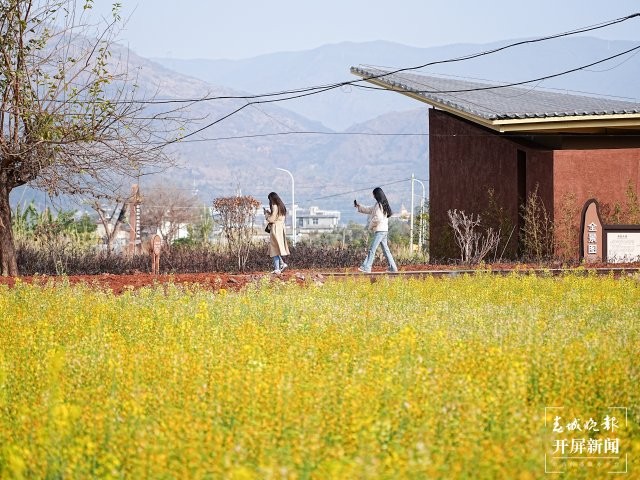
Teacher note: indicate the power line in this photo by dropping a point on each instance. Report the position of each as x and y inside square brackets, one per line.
[209, 125]
[549, 89]
[307, 91]
[490, 87]
[304, 132]
[356, 191]
[382, 134]
[313, 90]
[321, 88]
[505, 85]
[495, 87]
[635, 49]
[308, 200]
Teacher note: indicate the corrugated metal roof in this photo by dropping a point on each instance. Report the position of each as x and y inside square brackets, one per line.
[504, 103]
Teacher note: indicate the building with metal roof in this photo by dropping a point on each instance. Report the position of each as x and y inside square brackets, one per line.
[492, 145]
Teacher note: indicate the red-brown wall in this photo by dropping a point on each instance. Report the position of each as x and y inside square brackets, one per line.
[601, 174]
[465, 161]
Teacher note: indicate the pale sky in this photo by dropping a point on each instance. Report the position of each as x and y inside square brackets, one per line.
[247, 28]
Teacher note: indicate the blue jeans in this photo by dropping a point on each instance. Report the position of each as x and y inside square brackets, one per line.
[277, 261]
[380, 238]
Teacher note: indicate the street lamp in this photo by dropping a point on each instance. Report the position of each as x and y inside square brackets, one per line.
[293, 203]
[414, 179]
[420, 239]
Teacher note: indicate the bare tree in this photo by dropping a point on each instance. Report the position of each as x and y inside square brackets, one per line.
[237, 216]
[538, 232]
[473, 244]
[166, 208]
[110, 221]
[72, 120]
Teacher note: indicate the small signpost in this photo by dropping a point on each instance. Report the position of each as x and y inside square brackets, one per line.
[156, 247]
[608, 243]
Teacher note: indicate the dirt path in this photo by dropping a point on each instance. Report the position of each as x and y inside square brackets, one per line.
[216, 281]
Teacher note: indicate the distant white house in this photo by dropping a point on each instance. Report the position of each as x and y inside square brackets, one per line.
[120, 241]
[123, 238]
[312, 219]
[178, 231]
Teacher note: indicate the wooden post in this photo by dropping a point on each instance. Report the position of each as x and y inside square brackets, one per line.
[135, 242]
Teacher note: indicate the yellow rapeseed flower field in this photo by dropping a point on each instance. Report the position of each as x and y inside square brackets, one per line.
[457, 378]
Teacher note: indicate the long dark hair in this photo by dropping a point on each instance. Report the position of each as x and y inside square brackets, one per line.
[274, 199]
[381, 198]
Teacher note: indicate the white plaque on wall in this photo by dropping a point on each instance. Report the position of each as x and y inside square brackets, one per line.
[623, 246]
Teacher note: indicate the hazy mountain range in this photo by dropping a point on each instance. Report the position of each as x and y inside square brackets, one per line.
[341, 143]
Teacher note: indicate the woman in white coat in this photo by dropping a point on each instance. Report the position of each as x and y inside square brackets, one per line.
[378, 222]
[278, 246]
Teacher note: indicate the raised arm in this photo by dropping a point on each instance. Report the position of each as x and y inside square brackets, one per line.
[273, 216]
[363, 209]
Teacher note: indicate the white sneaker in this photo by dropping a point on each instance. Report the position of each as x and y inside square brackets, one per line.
[283, 266]
[276, 271]
[360, 269]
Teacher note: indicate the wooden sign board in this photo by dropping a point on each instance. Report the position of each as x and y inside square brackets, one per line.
[157, 244]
